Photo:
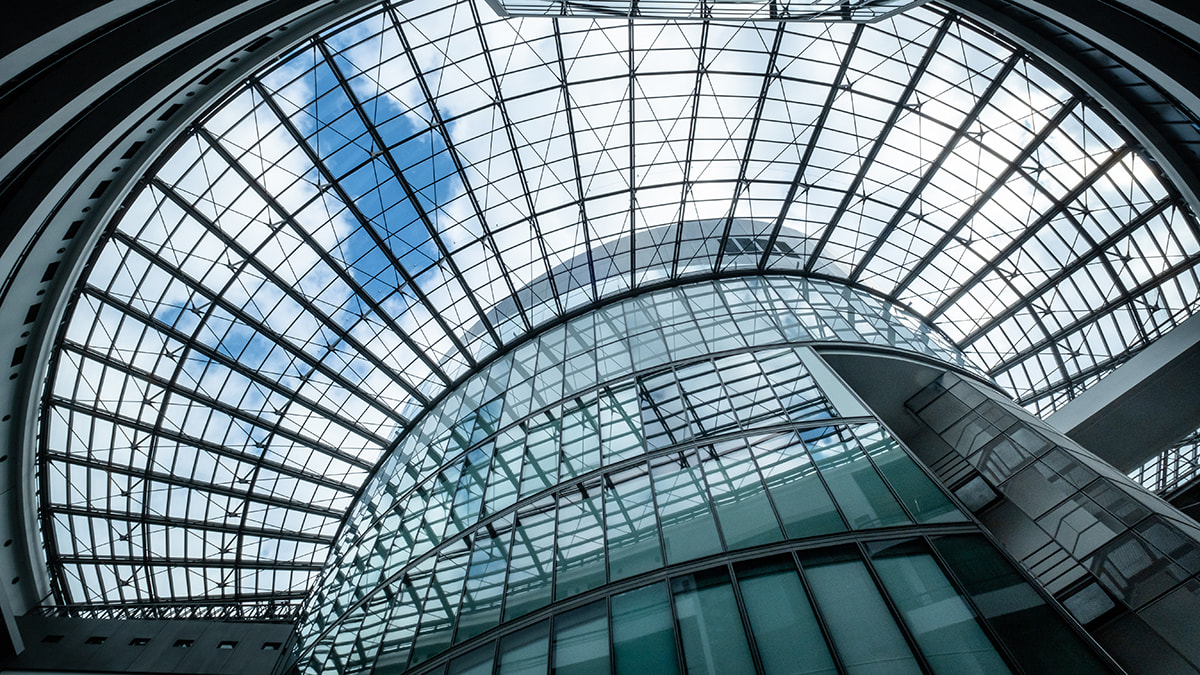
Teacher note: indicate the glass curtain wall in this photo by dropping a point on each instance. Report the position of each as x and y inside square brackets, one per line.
[664, 481]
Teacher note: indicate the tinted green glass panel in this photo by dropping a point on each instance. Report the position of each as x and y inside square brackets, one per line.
[643, 632]
[1040, 641]
[862, 628]
[441, 606]
[580, 560]
[484, 589]
[925, 501]
[791, 478]
[688, 528]
[531, 565]
[526, 652]
[745, 516]
[781, 620]
[710, 626]
[478, 662]
[541, 458]
[858, 490]
[630, 524]
[581, 641]
[943, 625]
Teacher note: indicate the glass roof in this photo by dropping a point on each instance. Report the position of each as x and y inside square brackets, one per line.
[380, 212]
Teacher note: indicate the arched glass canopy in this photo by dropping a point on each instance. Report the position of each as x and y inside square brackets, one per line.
[404, 197]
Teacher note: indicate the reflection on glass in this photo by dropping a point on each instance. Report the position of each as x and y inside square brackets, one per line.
[525, 652]
[688, 528]
[484, 589]
[786, 631]
[580, 562]
[643, 632]
[925, 500]
[531, 563]
[942, 623]
[581, 641]
[630, 524]
[799, 495]
[853, 610]
[746, 516]
[477, 662]
[710, 626]
[857, 488]
[1041, 641]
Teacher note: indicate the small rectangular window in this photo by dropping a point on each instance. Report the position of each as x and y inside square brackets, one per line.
[227, 644]
[272, 646]
[139, 642]
[52, 639]
[95, 640]
[184, 644]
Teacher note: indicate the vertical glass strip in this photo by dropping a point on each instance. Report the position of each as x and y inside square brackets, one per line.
[745, 515]
[862, 628]
[630, 524]
[710, 626]
[781, 619]
[942, 624]
[643, 632]
[1040, 641]
[803, 504]
[581, 641]
[858, 490]
[688, 528]
[526, 652]
[925, 500]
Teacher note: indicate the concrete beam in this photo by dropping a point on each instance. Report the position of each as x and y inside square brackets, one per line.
[1144, 406]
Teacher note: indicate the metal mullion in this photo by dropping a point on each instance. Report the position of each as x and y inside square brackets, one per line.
[344, 275]
[900, 107]
[1067, 107]
[216, 356]
[632, 178]
[440, 124]
[579, 189]
[740, 187]
[191, 483]
[138, 519]
[811, 146]
[363, 221]
[238, 414]
[512, 144]
[288, 290]
[1059, 206]
[238, 314]
[410, 193]
[686, 185]
[1067, 270]
[209, 563]
[960, 133]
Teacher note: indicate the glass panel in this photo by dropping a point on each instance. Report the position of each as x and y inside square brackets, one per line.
[580, 439]
[630, 525]
[484, 589]
[688, 528]
[925, 500]
[526, 652]
[862, 495]
[710, 626]
[530, 569]
[1039, 640]
[581, 641]
[943, 625]
[853, 609]
[782, 621]
[478, 662]
[580, 563]
[441, 605]
[792, 481]
[643, 632]
[744, 513]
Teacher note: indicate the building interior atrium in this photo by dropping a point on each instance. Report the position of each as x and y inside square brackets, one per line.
[600, 337]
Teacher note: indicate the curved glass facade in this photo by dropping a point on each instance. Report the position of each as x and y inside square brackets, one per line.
[586, 475]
